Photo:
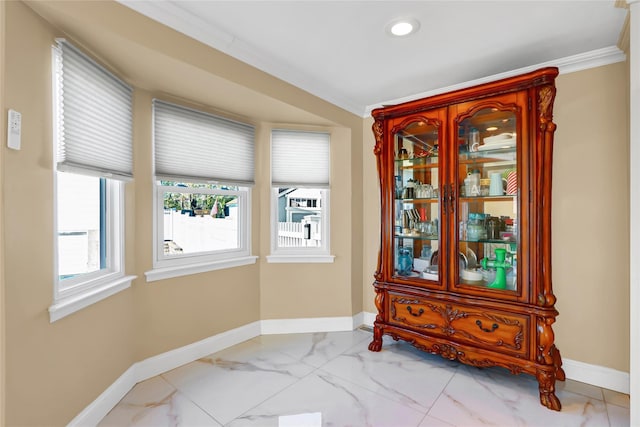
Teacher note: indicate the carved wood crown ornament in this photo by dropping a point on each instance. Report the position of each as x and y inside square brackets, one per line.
[545, 100]
[377, 132]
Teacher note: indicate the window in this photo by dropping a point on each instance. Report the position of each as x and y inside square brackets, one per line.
[93, 134]
[82, 207]
[204, 173]
[300, 196]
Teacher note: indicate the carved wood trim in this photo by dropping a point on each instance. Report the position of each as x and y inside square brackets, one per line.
[450, 315]
[546, 96]
[379, 302]
[487, 104]
[545, 347]
[378, 132]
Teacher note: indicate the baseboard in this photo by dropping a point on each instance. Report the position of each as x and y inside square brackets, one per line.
[307, 325]
[368, 318]
[156, 365]
[600, 376]
[99, 408]
[579, 371]
[164, 362]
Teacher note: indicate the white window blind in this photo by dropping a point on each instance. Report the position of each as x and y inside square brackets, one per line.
[193, 146]
[299, 159]
[93, 116]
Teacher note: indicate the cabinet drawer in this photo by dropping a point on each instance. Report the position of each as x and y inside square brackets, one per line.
[489, 328]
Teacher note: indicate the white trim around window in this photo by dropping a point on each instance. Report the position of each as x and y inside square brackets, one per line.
[320, 254]
[76, 293]
[176, 265]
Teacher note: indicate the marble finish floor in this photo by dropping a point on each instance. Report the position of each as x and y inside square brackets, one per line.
[332, 379]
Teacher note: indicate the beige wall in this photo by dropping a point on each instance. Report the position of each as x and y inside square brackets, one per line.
[179, 311]
[2, 297]
[53, 370]
[292, 290]
[590, 217]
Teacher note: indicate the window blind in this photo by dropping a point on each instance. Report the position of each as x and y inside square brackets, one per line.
[193, 146]
[299, 159]
[93, 116]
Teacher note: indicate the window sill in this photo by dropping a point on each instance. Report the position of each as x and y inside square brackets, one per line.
[184, 270]
[71, 304]
[292, 258]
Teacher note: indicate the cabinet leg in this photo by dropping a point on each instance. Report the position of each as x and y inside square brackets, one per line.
[547, 387]
[376, 344]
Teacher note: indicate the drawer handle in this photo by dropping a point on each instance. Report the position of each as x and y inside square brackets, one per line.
[414, 314]
[493, 327]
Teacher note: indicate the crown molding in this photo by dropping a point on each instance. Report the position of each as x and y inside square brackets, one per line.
[623, 40]
[566, 65]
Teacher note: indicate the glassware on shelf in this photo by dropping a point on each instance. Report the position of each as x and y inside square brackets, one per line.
[425, 253]
[405, 261]
[476, 227]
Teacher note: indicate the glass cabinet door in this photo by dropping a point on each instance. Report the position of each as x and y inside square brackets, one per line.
[487, 202]
[416, 210]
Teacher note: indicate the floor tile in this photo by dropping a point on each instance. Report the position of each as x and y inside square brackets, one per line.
[315, 349]
[495, 397]
[155, 403]
[616, 398]
[580, 388]
[334, 402]
[397, 372]
[232, 381]
[323, 379]
[430, 421]
[618, 416]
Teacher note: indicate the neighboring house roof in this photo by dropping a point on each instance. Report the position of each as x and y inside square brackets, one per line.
[305, 193]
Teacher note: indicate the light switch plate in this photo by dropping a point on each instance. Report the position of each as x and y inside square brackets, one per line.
[14, 124]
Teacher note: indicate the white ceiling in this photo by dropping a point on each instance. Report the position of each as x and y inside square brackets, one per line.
[340, 51]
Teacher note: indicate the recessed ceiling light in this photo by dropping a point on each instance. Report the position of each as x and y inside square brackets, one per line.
[403, 27]
[492, 128]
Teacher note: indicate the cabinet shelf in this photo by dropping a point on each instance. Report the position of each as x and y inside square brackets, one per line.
[425, 200]
[506, 198]
[497, 154]
[417, 236]
[504, 242]
[480, 284]
[418, 164]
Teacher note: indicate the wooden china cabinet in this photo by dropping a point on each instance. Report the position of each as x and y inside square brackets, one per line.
[464, 268]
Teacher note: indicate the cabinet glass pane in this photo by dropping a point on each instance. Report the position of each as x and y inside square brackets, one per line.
[488, 200]
[416, 208]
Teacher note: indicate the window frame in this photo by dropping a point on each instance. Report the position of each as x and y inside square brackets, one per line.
[75, 293]
[180, 265]
[321, 254]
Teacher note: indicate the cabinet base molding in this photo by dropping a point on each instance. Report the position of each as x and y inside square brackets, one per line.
[595, 375]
